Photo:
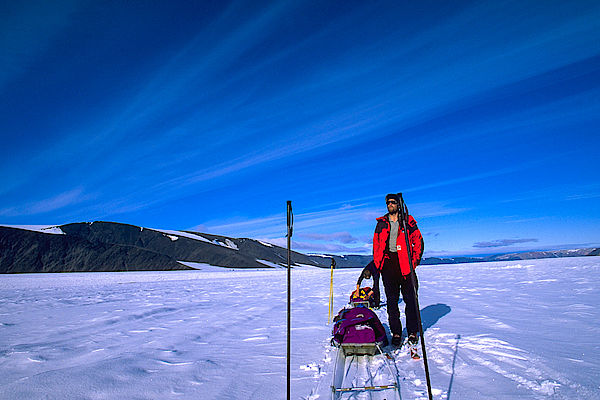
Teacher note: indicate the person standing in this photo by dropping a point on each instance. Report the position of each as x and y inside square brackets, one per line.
[390, 256]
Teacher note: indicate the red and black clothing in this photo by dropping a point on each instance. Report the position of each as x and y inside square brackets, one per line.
[395, 271]
[381, 249]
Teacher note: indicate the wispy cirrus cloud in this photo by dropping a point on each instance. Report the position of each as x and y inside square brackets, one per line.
[318, 247]
[502, 243]
[60, 201]
[343, 237]
[321, 225]
[303, 221]
[353, 115]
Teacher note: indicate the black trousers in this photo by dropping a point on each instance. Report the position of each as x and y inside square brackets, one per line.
[394, 284]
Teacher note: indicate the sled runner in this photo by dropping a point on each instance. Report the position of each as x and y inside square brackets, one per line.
[361, 365]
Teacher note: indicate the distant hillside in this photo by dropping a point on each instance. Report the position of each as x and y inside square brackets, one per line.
[530, 255]
[349, 261]
[358, 261]
[110, 246]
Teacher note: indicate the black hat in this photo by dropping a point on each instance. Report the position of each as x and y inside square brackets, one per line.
[392, 196]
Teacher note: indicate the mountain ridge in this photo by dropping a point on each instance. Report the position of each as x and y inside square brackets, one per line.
[112, 246]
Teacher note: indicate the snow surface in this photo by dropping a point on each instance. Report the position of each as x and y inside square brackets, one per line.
[204, 266]
[499, 330]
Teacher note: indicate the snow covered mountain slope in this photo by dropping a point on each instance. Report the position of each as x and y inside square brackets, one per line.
[110, 246]
[498, 330]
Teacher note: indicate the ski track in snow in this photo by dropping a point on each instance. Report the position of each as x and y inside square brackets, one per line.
[493, 331]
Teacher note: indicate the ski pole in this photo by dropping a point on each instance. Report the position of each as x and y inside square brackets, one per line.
[331, 292]
[404, 216]
[290, 224]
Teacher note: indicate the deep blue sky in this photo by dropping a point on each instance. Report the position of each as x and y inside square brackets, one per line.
[210, 115]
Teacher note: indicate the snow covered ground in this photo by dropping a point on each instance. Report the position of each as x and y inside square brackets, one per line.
[501, 330]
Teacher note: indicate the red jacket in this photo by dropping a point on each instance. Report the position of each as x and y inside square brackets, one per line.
[380, 244]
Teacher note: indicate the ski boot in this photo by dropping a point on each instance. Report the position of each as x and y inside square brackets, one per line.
[412, 342]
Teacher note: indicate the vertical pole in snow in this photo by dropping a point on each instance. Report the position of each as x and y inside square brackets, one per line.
[290, 223]
[331, 292]
[403, 211]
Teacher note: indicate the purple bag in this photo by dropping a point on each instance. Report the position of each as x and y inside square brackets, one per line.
[359, 334]
[358, 325]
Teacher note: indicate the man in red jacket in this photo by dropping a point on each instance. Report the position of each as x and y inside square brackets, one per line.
[391, 258]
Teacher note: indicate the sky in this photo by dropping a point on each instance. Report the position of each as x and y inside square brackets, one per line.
[210, 115]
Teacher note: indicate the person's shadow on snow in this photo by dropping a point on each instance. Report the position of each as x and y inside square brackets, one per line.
[430, 315]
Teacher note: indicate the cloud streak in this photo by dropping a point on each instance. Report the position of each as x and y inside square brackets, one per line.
[317, 247]
[61, 201]
[343, 237]
[502, 243]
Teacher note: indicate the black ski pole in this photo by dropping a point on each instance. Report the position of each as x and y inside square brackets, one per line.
[403, 210]
[290, 224]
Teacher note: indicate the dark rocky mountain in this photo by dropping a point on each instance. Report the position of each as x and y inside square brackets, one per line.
[110, 246]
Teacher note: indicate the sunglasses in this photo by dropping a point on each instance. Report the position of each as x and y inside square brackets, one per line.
[391, 202]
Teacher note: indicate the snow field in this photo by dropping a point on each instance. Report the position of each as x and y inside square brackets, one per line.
[499, 330]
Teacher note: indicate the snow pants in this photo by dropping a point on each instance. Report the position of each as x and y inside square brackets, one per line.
[394, 284]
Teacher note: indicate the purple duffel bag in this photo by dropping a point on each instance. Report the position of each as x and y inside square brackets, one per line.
[358, 325]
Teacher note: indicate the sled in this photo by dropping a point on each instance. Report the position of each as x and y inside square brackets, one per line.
[355, 371]
[360, 364]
